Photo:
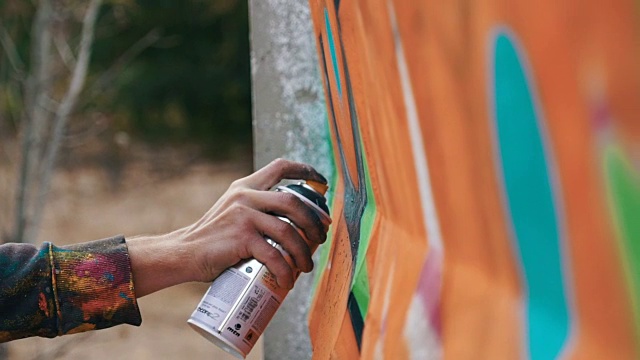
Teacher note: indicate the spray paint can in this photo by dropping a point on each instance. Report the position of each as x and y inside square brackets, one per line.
[242, 300]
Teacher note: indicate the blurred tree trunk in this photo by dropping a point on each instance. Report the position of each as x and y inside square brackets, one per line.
[46, 111]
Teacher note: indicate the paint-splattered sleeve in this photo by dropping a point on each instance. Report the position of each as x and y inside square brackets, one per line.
[54, 291]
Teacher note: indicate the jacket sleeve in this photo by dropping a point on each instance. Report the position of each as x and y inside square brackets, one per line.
[54, 291]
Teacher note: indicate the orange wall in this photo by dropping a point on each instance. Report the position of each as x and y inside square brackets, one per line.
[432, 252]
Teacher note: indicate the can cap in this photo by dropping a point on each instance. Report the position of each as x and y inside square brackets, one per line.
[317, 186]
[310, 194]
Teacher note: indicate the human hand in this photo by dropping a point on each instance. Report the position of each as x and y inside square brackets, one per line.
[232, 230]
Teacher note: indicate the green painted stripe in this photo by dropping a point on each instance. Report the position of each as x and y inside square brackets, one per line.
[326, 247]
[360, 282]
[361, 290]
[623, 186]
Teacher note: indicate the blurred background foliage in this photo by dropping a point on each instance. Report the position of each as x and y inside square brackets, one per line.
[162, 71]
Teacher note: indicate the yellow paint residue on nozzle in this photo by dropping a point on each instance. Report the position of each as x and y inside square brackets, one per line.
[317, 186]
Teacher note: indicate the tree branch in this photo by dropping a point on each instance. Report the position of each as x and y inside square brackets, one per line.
[67, 104]
[138, 47]
[64, 51]
[36, 89]
[10, 49]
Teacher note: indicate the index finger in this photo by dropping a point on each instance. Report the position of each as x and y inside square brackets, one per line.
[280, 169]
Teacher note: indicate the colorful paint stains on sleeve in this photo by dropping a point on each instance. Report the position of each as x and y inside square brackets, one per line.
[94, 286]
[55, 291]
[27, 305]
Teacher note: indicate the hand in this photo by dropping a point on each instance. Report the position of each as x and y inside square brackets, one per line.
[232, 230]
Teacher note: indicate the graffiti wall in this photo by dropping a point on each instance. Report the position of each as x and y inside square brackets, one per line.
[486, 196]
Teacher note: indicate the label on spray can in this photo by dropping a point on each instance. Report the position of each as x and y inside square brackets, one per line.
[241, 301]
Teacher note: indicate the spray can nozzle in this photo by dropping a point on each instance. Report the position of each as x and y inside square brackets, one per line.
[317, 186]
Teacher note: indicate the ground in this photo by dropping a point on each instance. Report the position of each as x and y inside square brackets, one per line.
[85, 204]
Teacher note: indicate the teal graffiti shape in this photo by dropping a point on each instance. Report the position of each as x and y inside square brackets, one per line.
[531, 207]
[332, 49]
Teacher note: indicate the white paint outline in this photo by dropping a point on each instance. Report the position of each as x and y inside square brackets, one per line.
[420, 162]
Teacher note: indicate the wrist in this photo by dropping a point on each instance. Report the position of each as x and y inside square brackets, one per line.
[158, 262]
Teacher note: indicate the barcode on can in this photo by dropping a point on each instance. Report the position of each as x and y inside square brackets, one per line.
[251, 304]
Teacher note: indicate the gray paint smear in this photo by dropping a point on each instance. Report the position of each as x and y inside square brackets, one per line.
[289, 121]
